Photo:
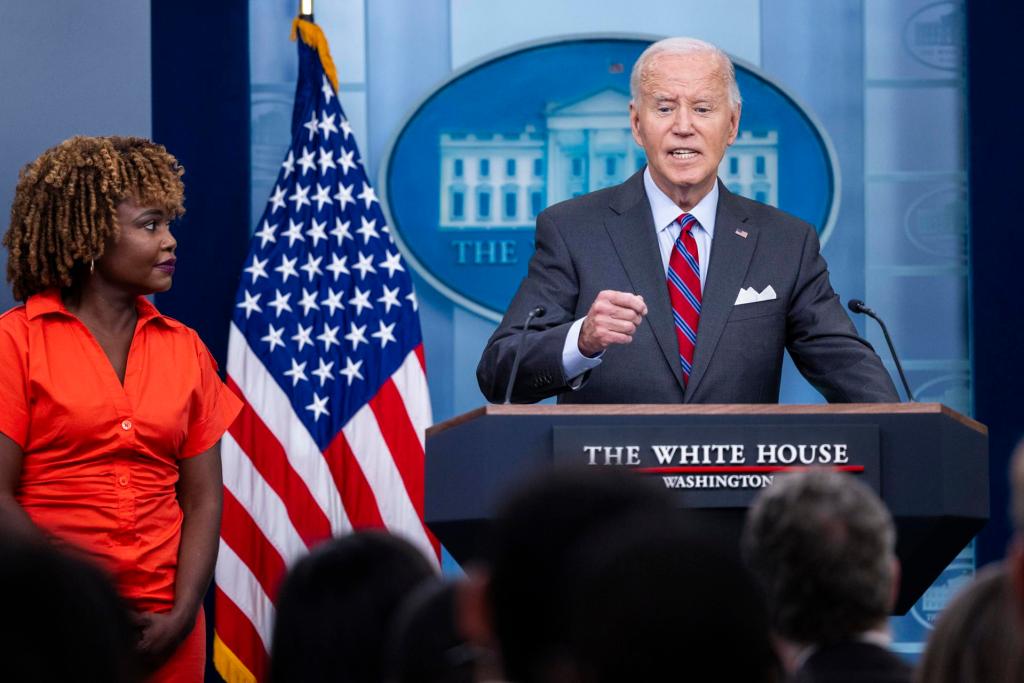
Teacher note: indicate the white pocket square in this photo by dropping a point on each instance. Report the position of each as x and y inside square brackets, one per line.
[749, 295]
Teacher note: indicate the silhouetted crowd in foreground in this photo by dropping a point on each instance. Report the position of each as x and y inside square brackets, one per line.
[586, 577]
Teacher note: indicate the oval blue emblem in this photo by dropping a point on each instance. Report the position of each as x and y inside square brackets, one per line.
[936, 223]
[506, 137]
[934, 35]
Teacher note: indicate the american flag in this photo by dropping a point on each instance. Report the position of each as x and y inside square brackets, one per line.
[325, 349]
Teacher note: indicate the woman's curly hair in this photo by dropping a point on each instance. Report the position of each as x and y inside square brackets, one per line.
[65, 206]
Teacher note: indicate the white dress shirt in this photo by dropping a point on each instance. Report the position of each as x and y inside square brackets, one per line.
[665, 213]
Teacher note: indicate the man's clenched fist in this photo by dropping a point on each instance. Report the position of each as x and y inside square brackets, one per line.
[612, 319]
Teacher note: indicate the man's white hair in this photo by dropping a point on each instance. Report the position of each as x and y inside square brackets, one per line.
[684, 46]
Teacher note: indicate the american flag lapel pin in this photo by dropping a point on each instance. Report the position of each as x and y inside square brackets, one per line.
[742, 233]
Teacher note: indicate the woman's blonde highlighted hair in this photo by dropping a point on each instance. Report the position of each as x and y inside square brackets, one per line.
[65, 206]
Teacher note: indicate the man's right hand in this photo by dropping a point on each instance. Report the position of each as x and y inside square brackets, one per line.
[612, 319]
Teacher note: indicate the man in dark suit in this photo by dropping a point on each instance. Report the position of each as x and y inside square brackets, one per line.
[823, 546]
[669, 288]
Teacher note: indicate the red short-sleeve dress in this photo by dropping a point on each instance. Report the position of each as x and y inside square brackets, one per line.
[101, 458]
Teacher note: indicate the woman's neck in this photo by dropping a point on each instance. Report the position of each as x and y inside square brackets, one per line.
[104, 307]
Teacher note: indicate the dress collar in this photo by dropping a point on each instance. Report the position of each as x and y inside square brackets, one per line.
[49, 302]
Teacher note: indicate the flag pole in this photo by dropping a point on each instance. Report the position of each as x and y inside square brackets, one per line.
[373, 385]
[306, 10]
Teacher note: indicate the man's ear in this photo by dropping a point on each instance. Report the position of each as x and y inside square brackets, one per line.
[734, 122]
[897, 574]
[634, 123]
[473, 614]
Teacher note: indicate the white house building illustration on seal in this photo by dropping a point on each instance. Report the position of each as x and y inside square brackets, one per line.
[503, 180]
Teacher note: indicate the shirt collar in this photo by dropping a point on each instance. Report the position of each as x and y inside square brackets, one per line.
[49, 301]
[665, 211]
[879, 637]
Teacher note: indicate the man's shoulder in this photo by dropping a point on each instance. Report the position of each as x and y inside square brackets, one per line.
[576, 207]
[854, 661]
[614, 199]
[764, 215]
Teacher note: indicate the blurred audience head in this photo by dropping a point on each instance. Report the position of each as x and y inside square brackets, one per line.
[336, 607]
[1017, 485]
[1015, 556]
[823, 546]
[536, 529]
[656, 599]
[425, 645]
[62, 619]
[977, 638]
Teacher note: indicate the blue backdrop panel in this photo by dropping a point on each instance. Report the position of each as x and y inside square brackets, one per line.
[68, 68]
[997, 244]
[201, 114]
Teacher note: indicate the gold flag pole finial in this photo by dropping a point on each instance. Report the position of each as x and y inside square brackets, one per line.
[303, 28]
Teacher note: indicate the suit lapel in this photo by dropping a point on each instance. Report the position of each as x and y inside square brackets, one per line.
[730, 259]
[631, 228]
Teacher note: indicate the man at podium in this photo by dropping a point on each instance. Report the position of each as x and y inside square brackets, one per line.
[668, 288]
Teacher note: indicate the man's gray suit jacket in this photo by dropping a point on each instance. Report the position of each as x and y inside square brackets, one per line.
[607, 240]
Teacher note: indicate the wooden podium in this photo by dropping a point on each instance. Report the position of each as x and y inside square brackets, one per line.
[927, 462]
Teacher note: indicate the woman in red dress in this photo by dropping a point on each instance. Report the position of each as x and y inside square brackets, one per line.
[112, 413]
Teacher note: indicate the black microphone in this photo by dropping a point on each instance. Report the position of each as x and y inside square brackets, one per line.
[537, 312]
[858, 306]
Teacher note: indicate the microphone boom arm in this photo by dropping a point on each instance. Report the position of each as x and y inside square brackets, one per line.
[536, 312]
[857, 306]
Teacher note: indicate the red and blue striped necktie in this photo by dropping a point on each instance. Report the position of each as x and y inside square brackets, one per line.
[684, 291]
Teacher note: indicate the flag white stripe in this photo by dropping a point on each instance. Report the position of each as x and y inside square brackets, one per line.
[271, 404]
[371, 452]
[268, 389]
[261, 501]
[411, 382]
[238, 583]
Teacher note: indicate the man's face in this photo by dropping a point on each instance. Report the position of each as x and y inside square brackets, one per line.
[683, 119]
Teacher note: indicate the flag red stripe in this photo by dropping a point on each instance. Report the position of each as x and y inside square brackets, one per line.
[356, 493]
[403, 442]
[237, 633]
[269, 459]
[288, 493]
[240, 531]
[401, 439]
